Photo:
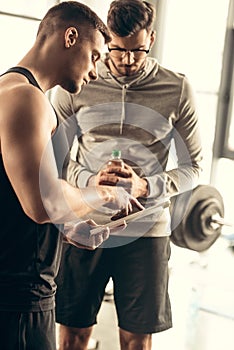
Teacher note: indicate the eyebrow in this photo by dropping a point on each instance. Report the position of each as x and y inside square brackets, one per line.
[122, 48]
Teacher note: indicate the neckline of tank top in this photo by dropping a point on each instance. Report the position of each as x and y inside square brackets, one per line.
[26, 73]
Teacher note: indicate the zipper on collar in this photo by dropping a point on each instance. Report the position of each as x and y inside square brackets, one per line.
[124, 88]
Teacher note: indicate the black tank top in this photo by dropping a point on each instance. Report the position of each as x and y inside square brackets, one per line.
[29, 252]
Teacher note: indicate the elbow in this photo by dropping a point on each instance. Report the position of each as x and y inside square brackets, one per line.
[38, 215]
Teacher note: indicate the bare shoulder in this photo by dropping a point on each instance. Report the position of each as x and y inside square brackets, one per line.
[21, 102]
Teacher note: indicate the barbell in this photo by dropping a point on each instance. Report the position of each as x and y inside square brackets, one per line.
[202, 213]
[197, 217]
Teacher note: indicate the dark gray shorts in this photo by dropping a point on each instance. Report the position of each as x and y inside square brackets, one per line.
[27, 330]
[140, 276]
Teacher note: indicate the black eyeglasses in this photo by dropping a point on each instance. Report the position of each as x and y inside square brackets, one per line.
[121, 53]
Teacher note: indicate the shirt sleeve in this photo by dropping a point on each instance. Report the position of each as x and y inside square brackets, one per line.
[186, 148]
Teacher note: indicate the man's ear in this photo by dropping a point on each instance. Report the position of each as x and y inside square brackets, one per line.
[152, 37]
[70, 37]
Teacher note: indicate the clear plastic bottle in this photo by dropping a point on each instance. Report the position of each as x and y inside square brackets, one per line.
[115, 159]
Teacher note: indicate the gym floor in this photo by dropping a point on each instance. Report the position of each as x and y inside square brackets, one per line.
[201, 290]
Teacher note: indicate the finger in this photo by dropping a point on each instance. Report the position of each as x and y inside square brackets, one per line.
[108, 179]
[108, 183]
[129, 207]
[108, 173]
[91, 222]
[137, 203]
[118, 171]
[100, 237]
[106, 234]
[127, 167]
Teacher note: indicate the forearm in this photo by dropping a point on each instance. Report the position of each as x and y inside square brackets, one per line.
[77, 175]
[67, 203]
[172, 182]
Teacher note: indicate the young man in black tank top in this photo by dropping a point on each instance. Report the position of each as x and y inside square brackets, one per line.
[34, 199]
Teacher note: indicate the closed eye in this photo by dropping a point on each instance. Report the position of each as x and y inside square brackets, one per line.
[95, 57]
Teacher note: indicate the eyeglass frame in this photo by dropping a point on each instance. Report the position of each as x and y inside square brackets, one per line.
[125, 51]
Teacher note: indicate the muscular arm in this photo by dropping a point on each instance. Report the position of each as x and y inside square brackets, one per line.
[26, 127]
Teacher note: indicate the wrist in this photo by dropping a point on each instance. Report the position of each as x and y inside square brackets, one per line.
[144, 188]
[91, 181]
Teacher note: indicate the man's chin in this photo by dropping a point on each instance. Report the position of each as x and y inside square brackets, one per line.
[72, 87]
[127, 72]
[77, 91]
[130, 73]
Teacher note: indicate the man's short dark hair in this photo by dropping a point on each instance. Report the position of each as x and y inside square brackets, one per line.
[127, 17]
[72, 14]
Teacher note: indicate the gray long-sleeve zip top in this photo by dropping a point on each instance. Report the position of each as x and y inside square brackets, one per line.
[151, 117]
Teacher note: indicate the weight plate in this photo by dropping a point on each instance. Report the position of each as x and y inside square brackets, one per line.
[194, 231]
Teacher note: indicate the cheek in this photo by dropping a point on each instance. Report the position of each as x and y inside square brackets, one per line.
[84, 63]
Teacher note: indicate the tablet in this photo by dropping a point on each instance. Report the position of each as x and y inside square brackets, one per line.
[131, 217]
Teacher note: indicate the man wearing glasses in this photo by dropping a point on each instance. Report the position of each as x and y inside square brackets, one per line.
[138, 107]
[125, 60]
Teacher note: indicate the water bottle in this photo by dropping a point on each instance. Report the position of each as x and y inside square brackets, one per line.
[115, 159]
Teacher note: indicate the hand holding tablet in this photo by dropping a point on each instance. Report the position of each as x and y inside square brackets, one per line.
[134, 216]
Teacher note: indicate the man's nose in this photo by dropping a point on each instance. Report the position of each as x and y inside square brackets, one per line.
[93, 74]
[128, 58]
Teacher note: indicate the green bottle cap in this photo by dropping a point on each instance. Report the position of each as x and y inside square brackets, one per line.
[116, 153]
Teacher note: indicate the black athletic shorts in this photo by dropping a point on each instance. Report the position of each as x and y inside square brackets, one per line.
[27, 330]
[140, 277]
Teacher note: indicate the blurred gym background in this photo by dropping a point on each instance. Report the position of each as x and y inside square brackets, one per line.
[195, 37]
